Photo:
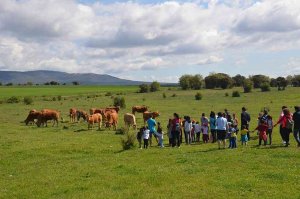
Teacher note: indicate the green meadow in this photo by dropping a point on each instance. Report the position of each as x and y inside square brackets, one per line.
[70, 161]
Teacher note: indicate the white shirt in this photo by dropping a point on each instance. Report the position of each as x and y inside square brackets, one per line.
[197, 128]
[146, 134]
[221, 123]
[188, 126]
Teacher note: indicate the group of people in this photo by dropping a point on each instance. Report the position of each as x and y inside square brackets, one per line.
[221, 127]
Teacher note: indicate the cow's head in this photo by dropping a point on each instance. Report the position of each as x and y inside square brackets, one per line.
[155, 114]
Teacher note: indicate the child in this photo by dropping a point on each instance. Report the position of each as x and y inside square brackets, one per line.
[205, 137]
[169, 127]
[232, 137]
[160, 135]
[262, 129]
[187, 130]
[197, 131]
[193, 131]
[270, 128]
[244, 135]
[139, 136]
[146, 135]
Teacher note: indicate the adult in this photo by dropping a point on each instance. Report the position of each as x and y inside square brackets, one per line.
[227, 115]
[204, 123]
[280, 127]
[296, 118]
[151, 126]
[245, 120]
[188, 130]
[222, 126]
[285, 125]
[212, 124]
[176, 130]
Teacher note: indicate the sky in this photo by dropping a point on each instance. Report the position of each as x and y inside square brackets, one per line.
[151, 39]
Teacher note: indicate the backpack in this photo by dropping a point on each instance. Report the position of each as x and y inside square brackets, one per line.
[289, 123]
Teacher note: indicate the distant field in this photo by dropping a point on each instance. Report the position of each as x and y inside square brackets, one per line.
[22, 91]
[70, 162]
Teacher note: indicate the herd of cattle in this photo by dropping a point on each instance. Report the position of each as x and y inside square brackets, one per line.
[107, 116]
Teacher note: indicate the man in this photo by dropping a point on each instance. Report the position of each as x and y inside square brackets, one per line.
[151, 126]
[222, 126]
[245, 120]
[296, 118]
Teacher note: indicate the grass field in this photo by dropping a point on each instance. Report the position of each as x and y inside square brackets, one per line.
[70, 162]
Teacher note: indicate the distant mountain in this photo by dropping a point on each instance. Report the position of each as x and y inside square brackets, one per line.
[43, 76]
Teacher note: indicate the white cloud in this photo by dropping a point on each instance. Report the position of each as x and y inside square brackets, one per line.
[121, 37]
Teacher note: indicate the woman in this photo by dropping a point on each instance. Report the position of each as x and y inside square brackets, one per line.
[176, 130]
[286, 125]
[213, 128]
[235, 122]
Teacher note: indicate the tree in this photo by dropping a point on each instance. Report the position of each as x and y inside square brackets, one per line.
[184, 82]
[238, 80]
[75, 83]
[119, 101]
[218, 80]
[265, 87]
[248, 84]
[196, 82]
[281, 83]
[144, 88]
[273, 82]
[154, 86]
[259, 80]
[296, 81]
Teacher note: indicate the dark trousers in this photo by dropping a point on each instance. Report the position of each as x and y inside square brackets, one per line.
[297, 135]
[286, 135]
[259, 142]
[232, 143]
[269, 133]
[214, 135]
[145, 143]
[176, 138]
[281, 133]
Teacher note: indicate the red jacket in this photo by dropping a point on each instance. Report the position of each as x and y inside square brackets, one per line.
[262, 128]
[283, 120]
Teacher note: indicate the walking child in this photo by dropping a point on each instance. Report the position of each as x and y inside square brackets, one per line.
[262, 130]
[244, 135]
[139, 136]
[232, 137]
[205, 136]
[270, 128]
[146, 135]
[160, 135]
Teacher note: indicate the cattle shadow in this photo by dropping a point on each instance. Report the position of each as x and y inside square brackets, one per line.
[81, 130]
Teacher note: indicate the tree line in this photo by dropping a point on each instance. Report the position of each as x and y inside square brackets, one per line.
[224, 81]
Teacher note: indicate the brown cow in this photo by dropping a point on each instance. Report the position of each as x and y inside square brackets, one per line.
[96, 110]
[147, 115]
[95, 118]
[47, 114]
[129, 120]
[112, 119]
[116, 108]
[33, 115]
[73, 114]
[82, 114]
[139, 109]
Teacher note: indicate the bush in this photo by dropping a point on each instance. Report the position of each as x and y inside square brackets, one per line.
[59, 98]
[174, 95]
[164, 95]
[13, 100]
[54, 99]
[198, 96]
[154, 86]
[144, 88]
[28, 100]
[226, 94]
[127, 141]
[119, 101]
[265, 87]
[108, 94]
[236, 94]
[247, 86]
